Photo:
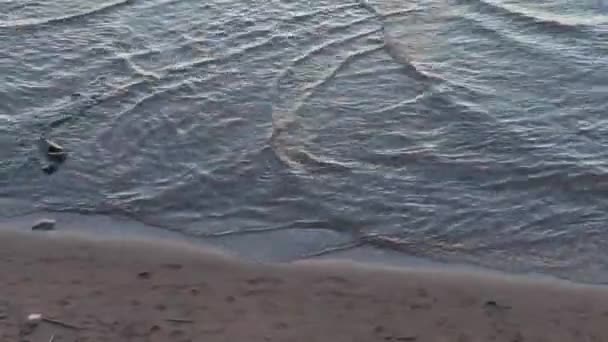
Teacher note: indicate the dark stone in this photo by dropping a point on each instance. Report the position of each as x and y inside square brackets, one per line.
[53, 147]
[44, 225]
[54, 152]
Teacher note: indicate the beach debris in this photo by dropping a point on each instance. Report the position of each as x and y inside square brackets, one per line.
[52, 338]
[31, 323]
[179, 320]
[44, 225]
[34, 318]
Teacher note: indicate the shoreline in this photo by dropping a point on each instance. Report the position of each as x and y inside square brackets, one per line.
[104, 227]
[153, 290]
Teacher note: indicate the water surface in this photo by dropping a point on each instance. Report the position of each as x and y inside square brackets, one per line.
[455, 130]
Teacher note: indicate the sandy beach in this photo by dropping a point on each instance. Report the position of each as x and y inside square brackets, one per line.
[92, 290]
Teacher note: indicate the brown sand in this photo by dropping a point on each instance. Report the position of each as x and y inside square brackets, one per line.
[152, 291]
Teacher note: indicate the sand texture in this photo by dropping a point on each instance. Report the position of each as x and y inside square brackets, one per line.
[151, 291]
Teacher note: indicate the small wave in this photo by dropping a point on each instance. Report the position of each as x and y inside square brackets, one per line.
[400, 104]
[32, 23]
[398, 13]
[386, 15]
[336, 225]
[549, 23]
[367, 6]
[398, 56]
[298, 159]
[283, 122]
[527, 43]
[338, 27]
[563, 178]
[295, 157]
[322, 10]
[334, 72]
[230, 55]
[391, 47]
[137, 69]
[394, 243]
[318, 49]
[400, 159]
[388, 70]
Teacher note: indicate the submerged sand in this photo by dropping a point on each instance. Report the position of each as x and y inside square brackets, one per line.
[155, 291]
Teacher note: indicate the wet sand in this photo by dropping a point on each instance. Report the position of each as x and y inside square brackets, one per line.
[111, 290]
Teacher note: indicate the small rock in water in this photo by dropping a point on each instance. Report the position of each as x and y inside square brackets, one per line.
[53, 147]
[45, 225]
[53, 152]
[49, 169]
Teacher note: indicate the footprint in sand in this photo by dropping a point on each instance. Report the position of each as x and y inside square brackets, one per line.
[177, 333]
[281, 326]
[422, 293]
[144, 275]
[154, 329]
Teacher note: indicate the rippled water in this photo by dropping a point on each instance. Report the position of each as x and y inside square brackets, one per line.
[456, 130]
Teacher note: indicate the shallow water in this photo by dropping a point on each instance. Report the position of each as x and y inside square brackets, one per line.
[454, 130]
